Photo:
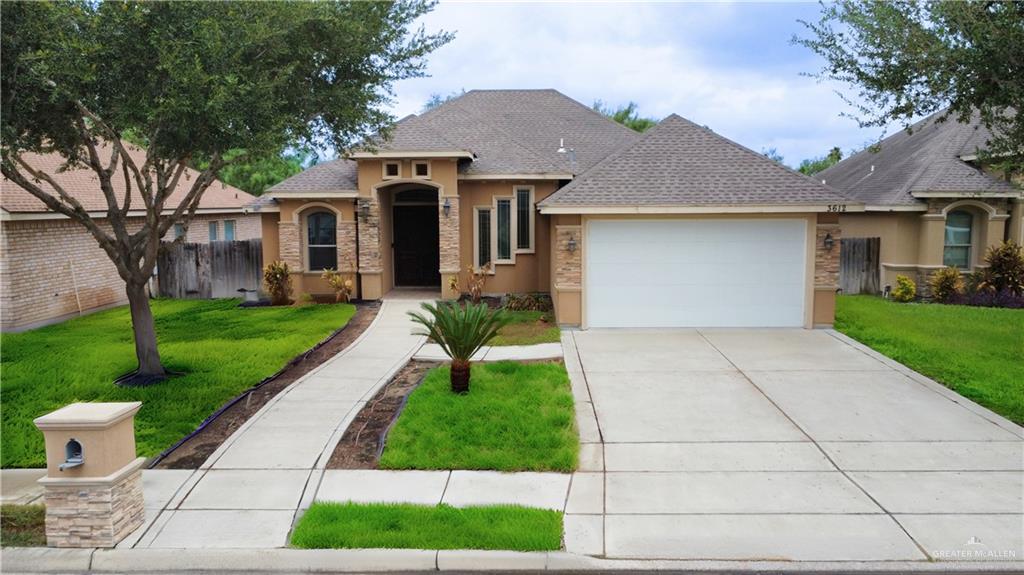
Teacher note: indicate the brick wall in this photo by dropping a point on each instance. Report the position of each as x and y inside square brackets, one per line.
[247, 227]
[346, 240]
[43, 261]
[568, 266]
[290, 245]
[826, 262]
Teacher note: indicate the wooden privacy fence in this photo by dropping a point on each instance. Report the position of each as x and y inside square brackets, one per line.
[859, 265]
[203, 271]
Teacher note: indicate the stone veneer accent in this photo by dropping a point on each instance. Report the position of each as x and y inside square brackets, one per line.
[92, 514]
[346, 240]
[449, 236]
[826, 262]
[369, 237]
[290, 245]
[568, 266]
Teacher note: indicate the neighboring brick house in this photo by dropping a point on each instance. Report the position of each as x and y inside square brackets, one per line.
[51, 267]
[674, 227]
[930, 199]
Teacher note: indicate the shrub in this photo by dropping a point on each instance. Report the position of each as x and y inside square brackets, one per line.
[460, 331]
[278, 281]
[906, 289]
[991, 298]
[476, 278]
[342, 285]
[528, 302]
[1005, 268]
[946, 284]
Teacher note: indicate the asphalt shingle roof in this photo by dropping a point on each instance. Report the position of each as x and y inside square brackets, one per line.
[678, 162]
[83, 184]
[924, 159]
[508, 131]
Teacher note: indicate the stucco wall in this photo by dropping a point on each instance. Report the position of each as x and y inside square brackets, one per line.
[43, 262]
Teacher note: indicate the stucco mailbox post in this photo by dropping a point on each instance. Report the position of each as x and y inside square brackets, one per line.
[93, 483]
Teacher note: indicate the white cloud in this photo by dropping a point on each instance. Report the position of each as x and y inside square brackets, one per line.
[660, 56]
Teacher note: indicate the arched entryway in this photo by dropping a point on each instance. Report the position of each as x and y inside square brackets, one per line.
[416, 252]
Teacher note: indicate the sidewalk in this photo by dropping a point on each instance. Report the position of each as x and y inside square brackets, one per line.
[250, 490]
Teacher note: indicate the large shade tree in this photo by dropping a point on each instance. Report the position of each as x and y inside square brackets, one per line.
[914, 58]
[190, 80]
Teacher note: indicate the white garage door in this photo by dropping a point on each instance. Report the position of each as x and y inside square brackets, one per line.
[695, 273]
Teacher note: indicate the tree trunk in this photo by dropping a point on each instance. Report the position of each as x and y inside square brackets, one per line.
[460, 376]
[144, 330]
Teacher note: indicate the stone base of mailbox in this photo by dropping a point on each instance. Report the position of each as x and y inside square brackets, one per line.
[94, 512]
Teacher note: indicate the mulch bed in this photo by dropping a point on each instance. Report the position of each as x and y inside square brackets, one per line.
[198, 447]
[361, 445]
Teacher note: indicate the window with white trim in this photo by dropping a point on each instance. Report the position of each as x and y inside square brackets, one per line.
[392, 170]
[179, 230]
[503, 230]
[321, 242]
[524, 219]
[213, 231]
[421, 169]
[959, 230]
[482, 233]
[229, 230]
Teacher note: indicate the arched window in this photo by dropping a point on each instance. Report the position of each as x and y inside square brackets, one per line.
[957, 251]
[321, 240]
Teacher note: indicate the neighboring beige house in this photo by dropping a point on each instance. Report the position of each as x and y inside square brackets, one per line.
[929, 199]
[51, 268]
[675, 227]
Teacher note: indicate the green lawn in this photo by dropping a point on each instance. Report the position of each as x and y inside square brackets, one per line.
[528, 328]
[23, 526]
[405, 526]
[220, 348]
[977, 352]
[516, 417]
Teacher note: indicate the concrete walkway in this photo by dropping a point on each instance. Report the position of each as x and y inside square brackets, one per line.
[783, 444]
[248, 493]
[540, 351]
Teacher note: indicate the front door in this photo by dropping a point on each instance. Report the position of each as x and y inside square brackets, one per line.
[417, 248]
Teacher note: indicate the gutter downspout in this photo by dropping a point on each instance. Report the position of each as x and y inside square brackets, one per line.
[359, 277]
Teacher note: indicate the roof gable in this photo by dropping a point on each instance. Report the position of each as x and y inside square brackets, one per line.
[678, 163]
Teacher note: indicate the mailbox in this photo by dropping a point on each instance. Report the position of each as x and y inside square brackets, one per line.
[93, 483]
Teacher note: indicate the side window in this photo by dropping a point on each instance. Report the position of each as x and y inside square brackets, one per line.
[504, 225]
[483, 237]
[213, 231]
[229, 230]
[524, 218]
[321, 241]
[179, 230]
[957, 249]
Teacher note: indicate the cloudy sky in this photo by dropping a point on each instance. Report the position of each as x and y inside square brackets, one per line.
[729, 66]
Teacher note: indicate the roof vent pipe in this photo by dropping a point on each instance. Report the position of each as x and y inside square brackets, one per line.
[561, 145]
[872, 168]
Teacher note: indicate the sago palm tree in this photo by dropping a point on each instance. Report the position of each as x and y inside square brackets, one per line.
[460, 331]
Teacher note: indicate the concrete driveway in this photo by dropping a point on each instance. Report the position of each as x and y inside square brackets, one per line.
[782, 444]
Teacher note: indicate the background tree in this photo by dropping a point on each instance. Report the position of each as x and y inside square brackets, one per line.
[911, 59]
[814, 165]
[626, 115]
[255, 175]
[437, 99]
[773, 155]
[193, 80]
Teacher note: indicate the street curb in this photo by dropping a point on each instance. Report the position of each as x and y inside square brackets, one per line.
[45, 560]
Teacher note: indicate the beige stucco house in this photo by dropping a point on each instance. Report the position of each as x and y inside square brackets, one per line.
[674, 227]
[51, 268]
[930, 199]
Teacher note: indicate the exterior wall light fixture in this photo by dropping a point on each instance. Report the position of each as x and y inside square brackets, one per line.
[829, 242]
[364, 210]
[571, 245]
[446, 207]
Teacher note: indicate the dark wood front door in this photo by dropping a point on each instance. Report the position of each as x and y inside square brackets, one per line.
[417, 250]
